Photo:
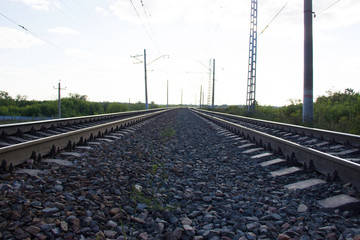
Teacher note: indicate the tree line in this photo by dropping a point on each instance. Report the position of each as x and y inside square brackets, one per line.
[72, 106]
[336, 111]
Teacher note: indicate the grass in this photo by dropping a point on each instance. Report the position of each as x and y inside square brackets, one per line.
[167, 133]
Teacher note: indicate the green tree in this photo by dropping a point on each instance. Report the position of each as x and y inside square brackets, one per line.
[117, 107]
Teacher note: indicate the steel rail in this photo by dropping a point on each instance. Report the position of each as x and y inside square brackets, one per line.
[19, 153]
[13, 128]
[323, 162]
[343, 138]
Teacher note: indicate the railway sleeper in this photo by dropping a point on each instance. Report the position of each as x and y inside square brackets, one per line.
[341, 202]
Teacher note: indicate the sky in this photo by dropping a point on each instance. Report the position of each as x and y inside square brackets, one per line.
[88, 46]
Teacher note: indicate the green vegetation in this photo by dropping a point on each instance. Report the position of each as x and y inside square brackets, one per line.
[72, 106]
[338, 111]
[167, 133]
[153, 196]
[153, 203]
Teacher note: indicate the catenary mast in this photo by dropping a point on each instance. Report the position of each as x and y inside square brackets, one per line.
[251, 82]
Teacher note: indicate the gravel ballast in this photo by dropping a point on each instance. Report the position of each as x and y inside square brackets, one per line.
[176, 177]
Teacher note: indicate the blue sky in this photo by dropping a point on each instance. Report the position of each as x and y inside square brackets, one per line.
[89, 44]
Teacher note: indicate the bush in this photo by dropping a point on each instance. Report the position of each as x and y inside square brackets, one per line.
[337, 111]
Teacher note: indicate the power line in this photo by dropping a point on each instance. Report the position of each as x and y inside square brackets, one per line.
[84, 23]
[147, 15]
[273, 18]
[92, 26]
[328, 7]
[215, 31]
[142, 23]
[83, 9]
[24, 28]
[86, 27]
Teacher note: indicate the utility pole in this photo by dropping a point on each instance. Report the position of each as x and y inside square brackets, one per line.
[59, 98]
[146, 93]
[181, 97]
[129, 104]
[203, 96]
[308, 64]
[213, 88]
[145, 72]
[167, 93]
[200, 94]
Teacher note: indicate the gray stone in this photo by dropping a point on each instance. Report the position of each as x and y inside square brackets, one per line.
[252, 226]
[129, 210]
[302, 208]
[208, 218]
[178, 233]
[110, 233]
[58, 188]
[189, 230]
[50, 210]
[111, 224]
[141, 206]
[160, 227]
[207, 199]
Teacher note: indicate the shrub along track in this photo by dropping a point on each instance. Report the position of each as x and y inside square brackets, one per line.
[176, 177]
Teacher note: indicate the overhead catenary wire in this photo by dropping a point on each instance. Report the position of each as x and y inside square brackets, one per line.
[147, 15]
[86, 12]
[273, 19]
[34, 34]
[214, 33]
[322, 11]
[92, 26]
[86, 27]
[215, 30]
[146, 30]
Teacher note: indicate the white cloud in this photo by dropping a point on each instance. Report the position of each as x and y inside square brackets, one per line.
[63, 30]
[123, 10]
[101, 10]
[12, 38]
[37, 4]
[16, 71]
[79, 53]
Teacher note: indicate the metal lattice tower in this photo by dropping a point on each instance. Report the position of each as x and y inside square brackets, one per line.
[251, 83]
[209, 84]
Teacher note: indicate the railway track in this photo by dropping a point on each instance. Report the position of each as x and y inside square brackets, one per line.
[32, 140]
[333, 154]
[177, 176]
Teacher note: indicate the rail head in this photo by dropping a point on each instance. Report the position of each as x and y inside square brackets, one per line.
[13, 128]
